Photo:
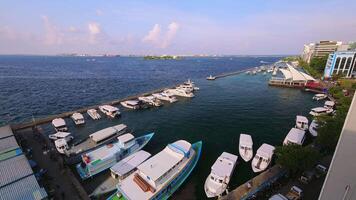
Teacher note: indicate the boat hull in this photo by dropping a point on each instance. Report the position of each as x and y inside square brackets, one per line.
[246, 156]
[142, 141]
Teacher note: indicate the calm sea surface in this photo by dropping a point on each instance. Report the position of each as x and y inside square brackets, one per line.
[221, 110]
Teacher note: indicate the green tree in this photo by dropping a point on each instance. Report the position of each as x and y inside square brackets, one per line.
[318, 63]
[296, 158]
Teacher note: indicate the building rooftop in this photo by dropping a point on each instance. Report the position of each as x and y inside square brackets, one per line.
[340, 180]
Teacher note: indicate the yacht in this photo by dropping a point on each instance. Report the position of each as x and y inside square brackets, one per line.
[110, 111]
[245, 147]
[180, 92]
[262, 158]
[93, 113]
[120, 171]
[132, 104]
[151, 100]
[210, 78]
[313, 128]
[254, 72]
[320, 111]
[61, 135]
[190, 84]
[78, 118]
[59, 125]
[96, 139]
[319, 97]
[295, 136]
[165, 97]
[161, 175]
[301, 122]
[220, 175]
[108, 155]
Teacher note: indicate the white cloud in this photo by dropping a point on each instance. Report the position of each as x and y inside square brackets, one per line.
[52, 34]
[94, 31]
[171, 33]
[155, 37]
[154, 34]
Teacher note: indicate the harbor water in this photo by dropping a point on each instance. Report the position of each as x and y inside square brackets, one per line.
[219, 112]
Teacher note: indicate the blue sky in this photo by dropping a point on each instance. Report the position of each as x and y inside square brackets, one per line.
[174, 27]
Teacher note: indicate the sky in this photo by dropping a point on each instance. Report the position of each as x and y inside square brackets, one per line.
[236, 27]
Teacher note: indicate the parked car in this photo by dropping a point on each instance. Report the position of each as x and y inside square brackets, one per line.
[321, 170]
[307, 177]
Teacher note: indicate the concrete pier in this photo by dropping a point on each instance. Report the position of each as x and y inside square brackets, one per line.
[232, 73]
[257, 184]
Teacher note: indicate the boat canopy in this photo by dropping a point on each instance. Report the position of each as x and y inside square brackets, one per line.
[61, 134]
[58, 122]
[132, 102]
[224, 164]
[329, 103]
[295, 135]
[130, 163]
[320, 95]
[302, 119]
[123, 139]
[245, 140]
[157, 166]
[107, 132]
[265, 150]
[77, 116]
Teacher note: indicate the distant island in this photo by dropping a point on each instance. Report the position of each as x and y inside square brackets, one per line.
[163, 57]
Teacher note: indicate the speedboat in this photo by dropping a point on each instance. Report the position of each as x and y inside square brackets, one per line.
[301, 122]
[161, 175]
[78, 118]
[93, 114]
[132, 104]
[165, 97]
[313, 128]
[262, 158]
[110, 111]
[151, 100]
[120, 171]
[329, 105]
[59, 125]
[320, 111]
[210, 78]
[295, 136]
[220, 175]
[61, 135]
[319, 97]
[180, 92]
[108, 155]
[94, 140]
[245, 147]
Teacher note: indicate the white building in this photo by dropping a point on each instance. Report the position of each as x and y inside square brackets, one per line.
[322, 49]
[341, 62]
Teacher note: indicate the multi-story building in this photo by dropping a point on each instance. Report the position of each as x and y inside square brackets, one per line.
[322, 49]
[341, 62]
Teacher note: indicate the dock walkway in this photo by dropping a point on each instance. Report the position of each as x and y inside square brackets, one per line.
[258, 183]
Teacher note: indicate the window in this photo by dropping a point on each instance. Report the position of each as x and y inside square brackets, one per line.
[348, 64]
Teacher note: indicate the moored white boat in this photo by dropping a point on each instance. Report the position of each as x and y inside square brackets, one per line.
[108, 155]
[119, 171]
[219, 177]
[295, 136]
[78, 118]
[329, 105]
[313, 128]
[245, 147]
[61, 135]
[132, 104]
[96, 139]
[151, 100]
[262, 158]
[59, 125]
[210, 78]
[179, 92]
[165, 97]
[93, 113]
[301, 122]
[161, 175]
[110, 111]
[319, 97]
[320, 111]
